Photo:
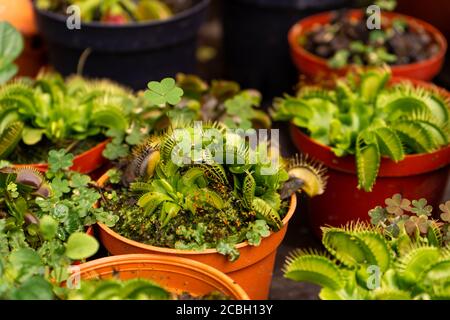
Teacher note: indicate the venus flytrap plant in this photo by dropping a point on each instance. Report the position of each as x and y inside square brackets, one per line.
[52, 113]
[362, 116]
[400, 256]
[204, 201]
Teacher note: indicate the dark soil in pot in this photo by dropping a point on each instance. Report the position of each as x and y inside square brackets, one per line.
[131, 54]
[347, 40]
[255, 40]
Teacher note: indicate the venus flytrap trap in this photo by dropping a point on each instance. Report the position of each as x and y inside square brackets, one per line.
[401, 256]
[362, 116]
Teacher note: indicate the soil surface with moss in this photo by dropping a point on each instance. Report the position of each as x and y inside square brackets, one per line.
[186, 231]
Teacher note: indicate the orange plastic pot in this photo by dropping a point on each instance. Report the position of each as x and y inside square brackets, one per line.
[85, 162]
[20, 14]
[252, 271]
[314, 66]
[417, 176]
[176, 274]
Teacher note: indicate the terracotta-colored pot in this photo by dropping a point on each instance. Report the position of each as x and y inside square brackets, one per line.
[314, 66]
[85, 162]
[176, 274]
[20, 14]
[252, 271]
[417, 176]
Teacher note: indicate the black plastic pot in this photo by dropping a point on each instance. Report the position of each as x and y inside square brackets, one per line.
[255, 40]
[131, 54]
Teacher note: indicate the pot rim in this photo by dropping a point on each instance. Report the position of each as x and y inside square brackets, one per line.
[298, 29]
[189, 264]
[44, 165]
[101, 181]
[195, 9]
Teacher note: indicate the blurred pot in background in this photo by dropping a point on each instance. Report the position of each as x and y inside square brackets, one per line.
[20, 14]
[131, 52]
[255, 40]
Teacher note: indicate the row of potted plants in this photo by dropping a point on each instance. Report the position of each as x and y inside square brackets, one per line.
[321, 45]
[229, 216]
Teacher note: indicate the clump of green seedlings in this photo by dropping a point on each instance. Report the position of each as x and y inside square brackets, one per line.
[362, 115]
[50, 113]
[404, 254]
[42, 227]
[205, 201]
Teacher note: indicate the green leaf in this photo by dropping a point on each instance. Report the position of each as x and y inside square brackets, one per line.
[25, 258]
[389, 143]
[228, 249]
[81, 246]
[11, 45]
[315, 269]
[31, 136]
[10, 137]
[60, 186]
[114, 151]
[35, 288]
[368, 163]
[79, 180]
[48, 227]
[166, 91]
[59, 160]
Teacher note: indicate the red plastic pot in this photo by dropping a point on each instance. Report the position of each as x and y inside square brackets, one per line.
[417, 176]
[252, 271]
[85, 163]
[314, 66]
[177, 275]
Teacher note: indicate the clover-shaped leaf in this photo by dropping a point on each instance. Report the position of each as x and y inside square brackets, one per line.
[417, 223]
[79, 180]
[59, 159]
[166, 91]
[60, 186]
[420, 207]
[377, 215]
[396, 204]
[445, 208]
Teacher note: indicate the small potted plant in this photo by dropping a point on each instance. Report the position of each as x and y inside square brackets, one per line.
[402, 256]
[93, 119]
[124, 40]
[231, 216]
[384, 136]
[155, 277]
[43, 227]
[329, 43]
